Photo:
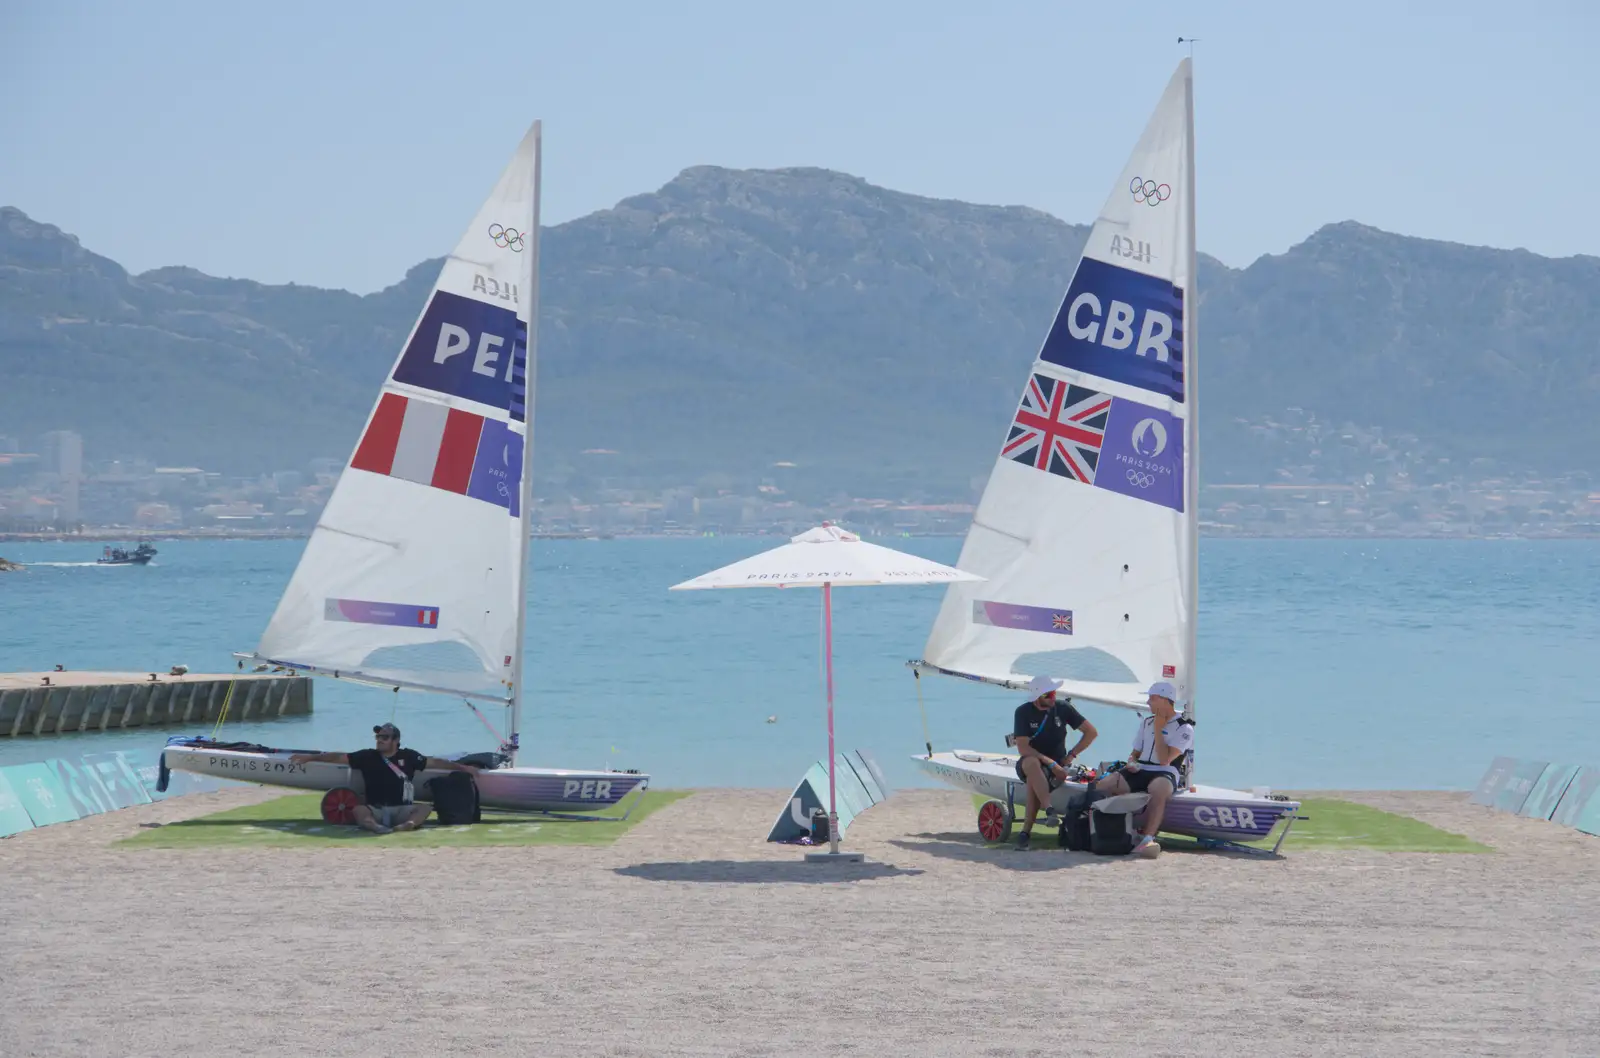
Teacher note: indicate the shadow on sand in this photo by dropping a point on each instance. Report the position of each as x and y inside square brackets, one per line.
[960, 845]
[763, 871]
[1047, 855]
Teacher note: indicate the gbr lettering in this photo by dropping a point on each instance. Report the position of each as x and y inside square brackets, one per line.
[1087, 320]
[1233, 817]
[1120, 324]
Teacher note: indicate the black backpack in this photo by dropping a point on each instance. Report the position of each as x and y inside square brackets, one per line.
[1075, 836]
[455, 798]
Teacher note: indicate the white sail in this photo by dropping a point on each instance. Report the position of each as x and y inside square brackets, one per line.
[414, 573]
[1085, 532]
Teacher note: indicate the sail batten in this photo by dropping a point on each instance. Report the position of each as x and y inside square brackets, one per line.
[392, 681]
[414, 574]
[1084, 532]
[1120, 695]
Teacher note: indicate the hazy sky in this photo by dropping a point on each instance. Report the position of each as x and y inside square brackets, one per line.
[338, 143]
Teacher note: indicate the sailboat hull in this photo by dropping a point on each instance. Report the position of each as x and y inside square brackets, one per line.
[1210, 813]
[506, 789]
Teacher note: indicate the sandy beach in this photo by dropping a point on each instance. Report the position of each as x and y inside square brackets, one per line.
[691, 936]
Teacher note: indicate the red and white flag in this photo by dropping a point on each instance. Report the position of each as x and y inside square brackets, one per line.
[444, 448]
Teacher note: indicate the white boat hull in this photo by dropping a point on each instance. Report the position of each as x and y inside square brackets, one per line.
[507, 789]
[1210, 813]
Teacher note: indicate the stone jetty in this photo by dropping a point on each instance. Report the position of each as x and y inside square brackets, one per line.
[48, 703]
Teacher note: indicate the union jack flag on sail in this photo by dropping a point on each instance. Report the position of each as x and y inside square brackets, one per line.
[1059, 428]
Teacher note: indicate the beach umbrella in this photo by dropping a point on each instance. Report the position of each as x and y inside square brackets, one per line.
[825, 557]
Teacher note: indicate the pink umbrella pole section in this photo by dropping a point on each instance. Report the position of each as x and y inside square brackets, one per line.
[827, 648]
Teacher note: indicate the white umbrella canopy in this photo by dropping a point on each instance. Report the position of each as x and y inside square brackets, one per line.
[821, 558]
[827, 555]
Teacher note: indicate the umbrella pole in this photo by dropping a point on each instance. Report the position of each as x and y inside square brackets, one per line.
[827, 636]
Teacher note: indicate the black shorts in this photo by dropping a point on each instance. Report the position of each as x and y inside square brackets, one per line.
[1139, 781]
[1049, 776]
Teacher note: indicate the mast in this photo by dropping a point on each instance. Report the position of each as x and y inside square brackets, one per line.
[1191, 381]
[525, 520]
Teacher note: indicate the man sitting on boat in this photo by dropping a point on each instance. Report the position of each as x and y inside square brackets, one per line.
[1040, 734]
[1162, 739]
[387, 772]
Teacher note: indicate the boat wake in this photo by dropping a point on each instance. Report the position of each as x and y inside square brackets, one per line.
[76, 565]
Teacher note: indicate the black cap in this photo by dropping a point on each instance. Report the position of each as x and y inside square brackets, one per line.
[386, 729]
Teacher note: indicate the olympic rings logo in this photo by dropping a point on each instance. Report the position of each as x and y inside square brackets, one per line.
[1149, 192]
[1140, 479]
[506, 238]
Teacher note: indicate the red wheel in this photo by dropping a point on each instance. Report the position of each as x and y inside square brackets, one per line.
[994, 821]
[339, 805]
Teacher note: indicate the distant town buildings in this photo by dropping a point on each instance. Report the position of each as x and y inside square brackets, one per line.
[1344, 481]
[61, 454]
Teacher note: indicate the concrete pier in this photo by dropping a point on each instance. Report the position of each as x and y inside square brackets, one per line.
[49, 703]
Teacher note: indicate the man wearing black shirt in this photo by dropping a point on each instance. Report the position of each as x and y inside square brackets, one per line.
[1040, 731]
[387, 772]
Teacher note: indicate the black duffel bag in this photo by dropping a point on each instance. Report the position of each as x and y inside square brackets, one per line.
[455, 798]
[1110, 833]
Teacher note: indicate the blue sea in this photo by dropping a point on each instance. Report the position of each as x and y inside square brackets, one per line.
[1323, 663]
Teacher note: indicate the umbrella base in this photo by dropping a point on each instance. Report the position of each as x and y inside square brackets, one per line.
[834, 857]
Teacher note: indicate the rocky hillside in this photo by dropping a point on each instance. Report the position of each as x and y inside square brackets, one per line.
[734, 319]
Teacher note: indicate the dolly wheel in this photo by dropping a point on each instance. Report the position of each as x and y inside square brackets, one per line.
[339, 805]
[994, 821]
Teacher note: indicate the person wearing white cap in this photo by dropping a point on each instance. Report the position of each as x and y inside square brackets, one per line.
[1163, 738]
[1040, 734]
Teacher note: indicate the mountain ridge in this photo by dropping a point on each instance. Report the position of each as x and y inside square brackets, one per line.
[736, 318]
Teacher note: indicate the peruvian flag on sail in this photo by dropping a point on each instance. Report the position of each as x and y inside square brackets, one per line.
[444, 448]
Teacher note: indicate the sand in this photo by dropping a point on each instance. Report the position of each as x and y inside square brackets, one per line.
[691, 936]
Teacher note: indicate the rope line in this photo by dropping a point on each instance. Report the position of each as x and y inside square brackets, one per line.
[499, 738]
[223, 715]
[927, 739]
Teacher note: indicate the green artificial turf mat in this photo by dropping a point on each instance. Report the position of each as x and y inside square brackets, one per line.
[296, 820]
[1331, 823]
[1327, 823]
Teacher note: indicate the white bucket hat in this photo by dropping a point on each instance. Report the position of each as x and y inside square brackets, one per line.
[1041, 685]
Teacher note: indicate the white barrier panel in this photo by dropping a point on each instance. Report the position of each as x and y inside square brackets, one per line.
[1580, 805]
[1493, 780]
[60, 790]
[858, 785]
[40, 792]
[1547, 791]
[14, 818]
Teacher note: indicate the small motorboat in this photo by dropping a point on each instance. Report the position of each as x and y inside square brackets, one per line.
[116, 556]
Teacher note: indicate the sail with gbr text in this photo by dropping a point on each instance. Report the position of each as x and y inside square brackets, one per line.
[414, 572]
[1084, 534]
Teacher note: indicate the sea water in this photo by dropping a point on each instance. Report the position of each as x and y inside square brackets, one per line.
[1323, 664]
